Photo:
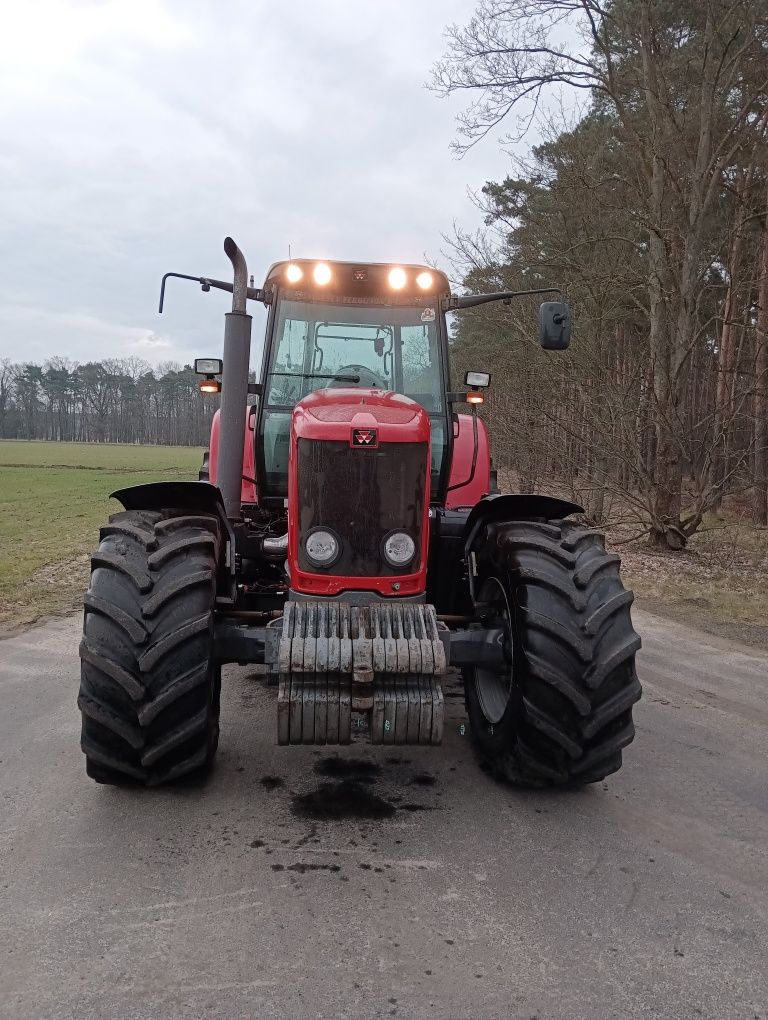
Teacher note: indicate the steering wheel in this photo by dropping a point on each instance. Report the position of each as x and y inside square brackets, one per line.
[368, 378]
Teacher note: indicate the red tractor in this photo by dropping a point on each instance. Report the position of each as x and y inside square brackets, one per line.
[347, 533]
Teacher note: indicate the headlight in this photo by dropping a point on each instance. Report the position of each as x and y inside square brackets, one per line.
[322, 547]
[322, 274]
[399, 548]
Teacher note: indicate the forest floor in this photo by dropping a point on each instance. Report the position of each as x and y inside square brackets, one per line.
[53, 499]
[718, 584]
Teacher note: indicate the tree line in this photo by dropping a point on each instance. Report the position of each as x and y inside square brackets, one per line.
[110, 401]
[646, 202]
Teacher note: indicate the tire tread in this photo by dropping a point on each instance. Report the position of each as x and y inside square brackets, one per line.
[149, 687]
[571, 713]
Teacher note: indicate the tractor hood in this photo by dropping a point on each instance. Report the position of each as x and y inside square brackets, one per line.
[358, 471]
[351, 413]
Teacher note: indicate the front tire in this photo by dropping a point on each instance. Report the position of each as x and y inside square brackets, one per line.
[560, 713]
[149, 690]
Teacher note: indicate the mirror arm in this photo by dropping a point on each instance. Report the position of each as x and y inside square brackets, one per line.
[471, 300]
[252, 293]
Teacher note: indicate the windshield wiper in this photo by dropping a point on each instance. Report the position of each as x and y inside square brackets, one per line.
[318, 375]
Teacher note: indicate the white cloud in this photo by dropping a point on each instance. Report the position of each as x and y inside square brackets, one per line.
[151, 342]
[138, 134]
[85, 337]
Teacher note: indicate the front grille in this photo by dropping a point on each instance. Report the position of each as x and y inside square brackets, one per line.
[361, 495]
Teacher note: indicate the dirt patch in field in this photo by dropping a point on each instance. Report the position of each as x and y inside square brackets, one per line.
[67, 574]
[54, 590]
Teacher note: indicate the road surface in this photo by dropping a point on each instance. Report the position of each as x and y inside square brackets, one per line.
[436, 892]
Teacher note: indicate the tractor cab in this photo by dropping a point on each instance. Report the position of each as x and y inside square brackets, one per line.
[341, 326]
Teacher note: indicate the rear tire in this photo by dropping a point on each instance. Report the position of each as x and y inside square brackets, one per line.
[561, 711]
[150, 688]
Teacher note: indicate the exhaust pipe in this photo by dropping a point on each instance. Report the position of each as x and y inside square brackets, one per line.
[275, 546]
[234, 386]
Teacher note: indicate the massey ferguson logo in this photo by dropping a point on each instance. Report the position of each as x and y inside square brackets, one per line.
[365, 437]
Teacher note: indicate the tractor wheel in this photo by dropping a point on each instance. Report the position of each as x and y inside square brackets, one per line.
[560, 712]
[149, 689]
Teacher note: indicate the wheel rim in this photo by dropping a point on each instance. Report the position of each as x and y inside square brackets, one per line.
[494, 688]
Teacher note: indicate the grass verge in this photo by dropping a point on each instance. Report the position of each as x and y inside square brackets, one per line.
[53, 499]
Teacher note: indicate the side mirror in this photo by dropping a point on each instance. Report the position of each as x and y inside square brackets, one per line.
[554, 325]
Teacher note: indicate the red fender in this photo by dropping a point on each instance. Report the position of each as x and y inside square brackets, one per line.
[248, 492]
[469, 489]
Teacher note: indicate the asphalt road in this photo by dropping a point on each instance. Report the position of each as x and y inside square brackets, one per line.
[644, 896]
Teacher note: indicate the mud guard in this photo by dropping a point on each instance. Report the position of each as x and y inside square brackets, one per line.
[195, 497]
[517, 507]
[200, 496]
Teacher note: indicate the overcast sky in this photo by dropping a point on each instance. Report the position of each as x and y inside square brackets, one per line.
[136, 134]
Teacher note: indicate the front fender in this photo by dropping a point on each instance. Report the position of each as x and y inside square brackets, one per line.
[194, 496]
[517, 507]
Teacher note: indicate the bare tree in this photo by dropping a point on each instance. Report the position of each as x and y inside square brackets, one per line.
[761, 384]
[685, 87]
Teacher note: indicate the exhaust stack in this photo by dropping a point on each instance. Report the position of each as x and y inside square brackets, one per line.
[234, 386]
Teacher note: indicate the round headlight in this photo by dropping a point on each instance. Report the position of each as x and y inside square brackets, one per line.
[322, 547]
[399, 548]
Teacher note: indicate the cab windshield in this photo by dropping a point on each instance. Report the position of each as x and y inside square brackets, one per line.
[318, 345]
[324, 345]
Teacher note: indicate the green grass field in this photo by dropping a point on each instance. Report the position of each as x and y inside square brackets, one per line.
[53, 499]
